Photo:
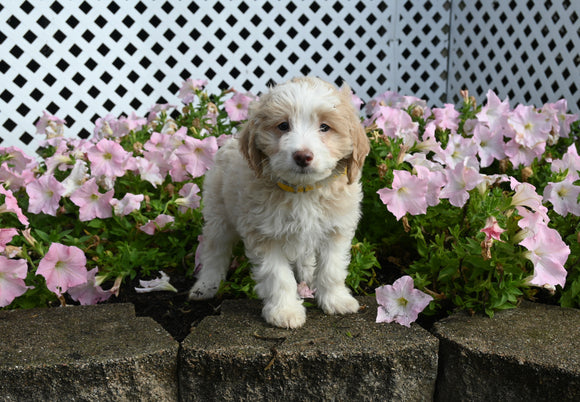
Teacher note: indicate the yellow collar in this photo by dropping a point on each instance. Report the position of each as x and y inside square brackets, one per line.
[292, 188]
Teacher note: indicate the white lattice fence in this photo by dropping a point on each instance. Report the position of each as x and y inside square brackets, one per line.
[528, 51]
[83, 59]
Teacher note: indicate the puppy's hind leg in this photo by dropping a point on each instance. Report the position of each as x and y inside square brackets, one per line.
[216, 252]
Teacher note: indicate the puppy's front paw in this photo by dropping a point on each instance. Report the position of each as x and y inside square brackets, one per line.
[338, 302]
[292, 315]
[203, 290]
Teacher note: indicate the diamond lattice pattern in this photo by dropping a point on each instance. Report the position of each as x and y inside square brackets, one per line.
[528, 51]
[81, 60]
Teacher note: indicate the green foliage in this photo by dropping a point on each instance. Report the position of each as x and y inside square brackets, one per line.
[449, 258]
[361, 273]
[443, 250]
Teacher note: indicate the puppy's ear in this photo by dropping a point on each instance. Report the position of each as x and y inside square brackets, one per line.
[249, 148]
[360, 141]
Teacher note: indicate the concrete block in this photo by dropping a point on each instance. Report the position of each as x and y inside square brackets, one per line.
[531, 353]
[85, 353]
[238, 356]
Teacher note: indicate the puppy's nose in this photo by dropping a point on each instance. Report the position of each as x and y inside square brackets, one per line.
[303, 158]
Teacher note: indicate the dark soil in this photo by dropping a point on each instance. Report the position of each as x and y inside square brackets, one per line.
[173, 311]
[177, 315]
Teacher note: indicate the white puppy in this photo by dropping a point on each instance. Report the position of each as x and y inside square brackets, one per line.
[289, 189]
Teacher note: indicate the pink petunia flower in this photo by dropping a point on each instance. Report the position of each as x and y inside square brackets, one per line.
[458, 150]
[44, 195]
[60, 160]
[50, 125]
[570, 161]
[160, 223]
[526, 196]
[237, 106]
[388, 98]
[492, 229]
[89, 293]
[530, 127]
[76, 178]
[397, 123]
[304, 291]
[408, 194]
[104, 127]
[130, 123]
[129, 203]
[548, 253]
[107, 158]
[428, 142]
[6, 236]
[490, 145]
[560, 120]
[92, 204]
[564, 197]
[63, 267]
[521, 155]
[16, 160]
[156, 285]
[447, 117]
[148, 169]
[196, 155]
[401, 302]
[460, 180]
[158, 108]
[11, 205]
[12, 275]
[189, 197]
[494, 113]
[188, 89]
[531, 222]
[14, 180]
[435, 181]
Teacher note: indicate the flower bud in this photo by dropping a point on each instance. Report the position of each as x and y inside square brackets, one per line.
[28, 237]
[402, 153]
[137, 147]
[504, 165]
[406, 225]
[383, 169]
[486, 249]
[527, 172]
[417, 112]
[212, 108]
[13, 251]
[521, 235]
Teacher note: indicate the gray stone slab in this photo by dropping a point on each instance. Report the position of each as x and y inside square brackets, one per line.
[85, 353]
[531, 353]
[238, 356]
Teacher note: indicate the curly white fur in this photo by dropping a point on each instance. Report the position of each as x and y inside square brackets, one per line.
[304, 132]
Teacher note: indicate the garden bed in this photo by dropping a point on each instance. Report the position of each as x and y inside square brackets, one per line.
[478, 205]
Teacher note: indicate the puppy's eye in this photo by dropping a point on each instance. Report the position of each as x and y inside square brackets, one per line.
[284, 126]
[324, 128]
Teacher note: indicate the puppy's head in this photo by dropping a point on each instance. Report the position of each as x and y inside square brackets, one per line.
[302, 131]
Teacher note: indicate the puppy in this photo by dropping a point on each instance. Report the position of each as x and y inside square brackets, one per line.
[289, 188]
